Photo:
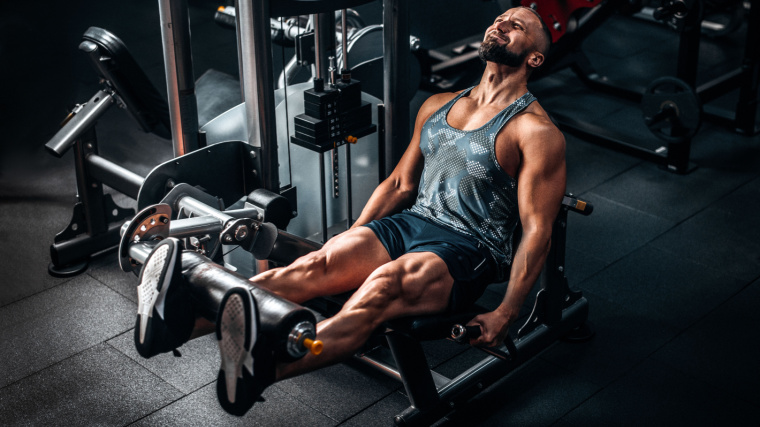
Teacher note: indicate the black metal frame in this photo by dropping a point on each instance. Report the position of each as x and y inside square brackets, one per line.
[97, 220]
[675, 155]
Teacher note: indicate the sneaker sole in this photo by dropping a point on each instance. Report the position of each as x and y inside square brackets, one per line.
[236, 332]
[154, 285]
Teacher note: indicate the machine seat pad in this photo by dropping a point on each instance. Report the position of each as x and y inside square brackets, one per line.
[115, 63]
[436, 326]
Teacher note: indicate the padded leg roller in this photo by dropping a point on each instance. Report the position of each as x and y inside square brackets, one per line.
[285, 324]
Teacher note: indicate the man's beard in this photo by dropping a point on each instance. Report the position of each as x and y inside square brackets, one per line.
[491, 50]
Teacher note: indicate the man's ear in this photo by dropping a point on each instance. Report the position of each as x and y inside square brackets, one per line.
[536, 59]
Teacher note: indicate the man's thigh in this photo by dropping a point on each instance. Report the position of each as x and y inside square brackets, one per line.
[341, 265]
[415, 283]
[356, 252]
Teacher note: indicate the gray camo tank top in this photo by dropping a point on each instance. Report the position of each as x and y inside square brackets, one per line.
[463, 186]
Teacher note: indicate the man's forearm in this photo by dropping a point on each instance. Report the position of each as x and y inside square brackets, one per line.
[526, 267]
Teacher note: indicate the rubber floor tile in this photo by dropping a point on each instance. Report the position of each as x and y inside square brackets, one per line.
[721, 349]
[653, 395]
[99, 386]
[202, 408]
[197, 367]
[53, 325]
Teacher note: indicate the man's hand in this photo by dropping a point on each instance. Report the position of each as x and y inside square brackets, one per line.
[494, 327]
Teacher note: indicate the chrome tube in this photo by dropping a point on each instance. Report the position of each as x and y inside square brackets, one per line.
[196, 208]
[323, 196]
[349, 198]
[189, 227]
[180, 80]
[344, 38]
[114, 176]
[396, 71]
[84, 117]
[324, 42]
[318, 47]
[140, 251]
[257, 84]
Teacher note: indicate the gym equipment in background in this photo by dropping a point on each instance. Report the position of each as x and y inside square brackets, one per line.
[681, 103]
[96, 218]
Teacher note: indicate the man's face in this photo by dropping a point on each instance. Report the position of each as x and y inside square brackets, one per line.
[509, 40]
[492, 51]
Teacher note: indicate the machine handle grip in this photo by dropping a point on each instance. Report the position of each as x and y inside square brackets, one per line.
[576, 205]
[461, 333]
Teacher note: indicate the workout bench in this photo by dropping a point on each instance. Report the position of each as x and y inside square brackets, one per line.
[188, 212]
[557, 312]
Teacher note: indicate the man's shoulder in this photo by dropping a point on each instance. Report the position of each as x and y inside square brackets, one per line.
[434, 103]
[438, 100]
[536, 133]
[535, 122]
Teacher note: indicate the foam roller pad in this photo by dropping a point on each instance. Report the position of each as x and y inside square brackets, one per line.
[208, 282]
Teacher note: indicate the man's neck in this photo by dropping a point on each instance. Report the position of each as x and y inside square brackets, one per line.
[500, 84]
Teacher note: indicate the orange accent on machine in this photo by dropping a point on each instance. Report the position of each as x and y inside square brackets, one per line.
[314, 346]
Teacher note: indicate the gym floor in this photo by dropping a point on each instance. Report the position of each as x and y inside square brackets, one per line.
[670, 263]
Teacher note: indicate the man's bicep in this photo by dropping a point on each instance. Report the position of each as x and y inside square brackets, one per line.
[541, 182]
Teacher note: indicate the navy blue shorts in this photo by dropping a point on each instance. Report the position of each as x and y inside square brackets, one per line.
[470, 262]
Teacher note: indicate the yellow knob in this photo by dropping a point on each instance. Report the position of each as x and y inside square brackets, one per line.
[314, 346]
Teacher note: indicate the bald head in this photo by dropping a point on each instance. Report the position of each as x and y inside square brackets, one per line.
[544, 40]
[516, 37]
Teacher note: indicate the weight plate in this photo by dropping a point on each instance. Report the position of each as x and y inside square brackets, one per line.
[151, 223]
[672, 110]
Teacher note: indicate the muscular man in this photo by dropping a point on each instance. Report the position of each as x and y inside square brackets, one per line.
[430, 238]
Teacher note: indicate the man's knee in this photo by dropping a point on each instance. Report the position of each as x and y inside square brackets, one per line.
[302, 271]
[311, 266]
[379, 290]
[417, 282]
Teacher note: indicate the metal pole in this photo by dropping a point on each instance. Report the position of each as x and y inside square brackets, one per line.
[180, 81]
[318, 46]
[113, 175]
[90, 191]
[349, 199]
[396, 51]
[746, 108]
[344, 37]
[86, 116]
[198, 208]
[190, 227]
[257, 83]
[323, 196]
[688, 49]
[324, 41]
